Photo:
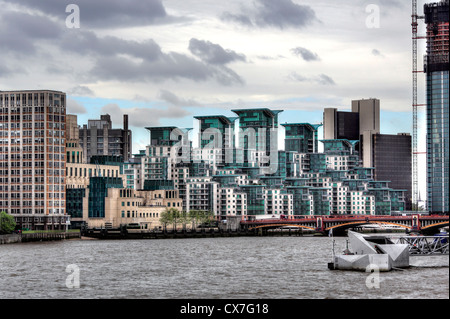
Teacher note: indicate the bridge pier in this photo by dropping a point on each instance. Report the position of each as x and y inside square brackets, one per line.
[320, 227]
[415, 225]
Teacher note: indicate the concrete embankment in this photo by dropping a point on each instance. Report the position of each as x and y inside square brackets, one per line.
[37, 237]
[10, 239]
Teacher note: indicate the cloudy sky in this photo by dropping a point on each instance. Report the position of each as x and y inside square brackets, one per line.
[165, 61]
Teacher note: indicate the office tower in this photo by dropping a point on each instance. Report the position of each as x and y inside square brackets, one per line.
[391, 158]
[301, 138]
[369, 114]
[365, 116]
[216, 134]
[437, 80]
[99, 138]
[340, 125]
[33, 158]
[258, 138]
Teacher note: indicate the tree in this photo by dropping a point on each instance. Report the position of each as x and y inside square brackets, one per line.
[176, 217]
[169, 216]
[195, 218]
[205, 217]
[208, 217]
[7, 223]
[184, 219]
[165, 218]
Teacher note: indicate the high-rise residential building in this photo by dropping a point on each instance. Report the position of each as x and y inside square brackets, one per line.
[99, 138]
[437, 82]
[217, 136]
[169, 146]
[391, 158]
[258, 136]
[301, 138]
[33, 158]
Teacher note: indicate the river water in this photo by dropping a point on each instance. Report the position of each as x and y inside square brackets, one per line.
[210, 268]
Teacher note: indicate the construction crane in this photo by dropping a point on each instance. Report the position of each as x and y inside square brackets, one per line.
[415, 105]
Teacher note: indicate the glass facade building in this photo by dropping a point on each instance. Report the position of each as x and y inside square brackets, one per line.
[98, 191]
[259, 134]
[301, 138]
[437, 81]
[217, 132]
[438, 142]
[392, 160]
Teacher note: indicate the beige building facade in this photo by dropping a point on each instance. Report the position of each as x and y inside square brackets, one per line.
[130, 207]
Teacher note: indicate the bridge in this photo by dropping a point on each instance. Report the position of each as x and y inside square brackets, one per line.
[424, 224]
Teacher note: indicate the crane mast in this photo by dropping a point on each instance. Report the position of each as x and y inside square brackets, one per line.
[415, 153]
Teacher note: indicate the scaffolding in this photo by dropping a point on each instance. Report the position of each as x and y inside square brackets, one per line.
[415, 105]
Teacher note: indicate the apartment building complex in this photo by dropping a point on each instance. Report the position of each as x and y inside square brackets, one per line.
[301, 180]
[48, 183]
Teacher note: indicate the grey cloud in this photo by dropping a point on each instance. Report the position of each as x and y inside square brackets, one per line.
[213, 53]
[172, 65]
[81, 90]
[305, 54]
[73, 107]
[283, 13]
[118, 59]
[59, 69]
[269, 13]
[142, 116]
[270, 58]
[239, 18]
[321, 79]
[376, 52]
[393, 3]
[4, 70]
[297, 77]
[87, 42]
[110, 58]
[325, 80]
[19, 32]
[176, 100]
[104, 13]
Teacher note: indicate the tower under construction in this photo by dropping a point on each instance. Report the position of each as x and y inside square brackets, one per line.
[437, 83]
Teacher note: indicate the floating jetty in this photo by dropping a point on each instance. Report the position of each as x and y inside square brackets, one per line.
[371, 252]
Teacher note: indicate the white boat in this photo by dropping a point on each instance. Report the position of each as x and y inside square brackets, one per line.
[370, 253]
[381, 227]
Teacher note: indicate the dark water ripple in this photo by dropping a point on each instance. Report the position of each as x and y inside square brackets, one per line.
[221, 268]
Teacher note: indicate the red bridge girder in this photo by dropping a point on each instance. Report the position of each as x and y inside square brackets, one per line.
[415, 223]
